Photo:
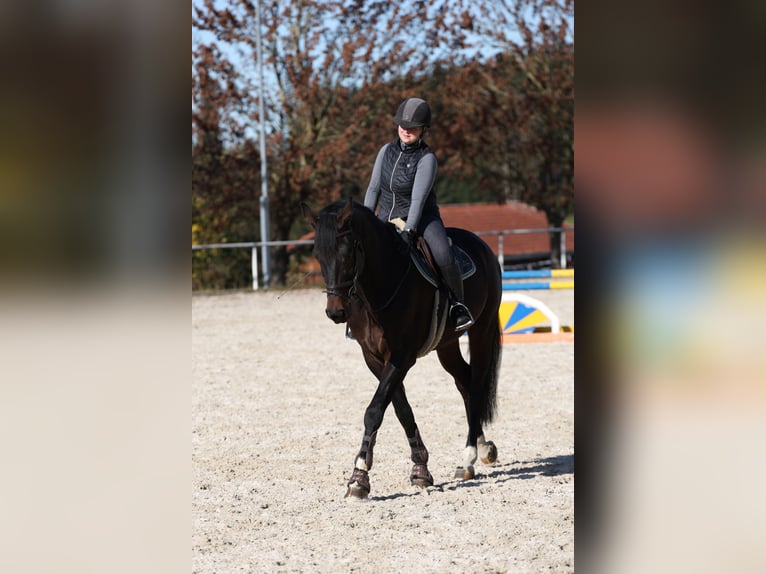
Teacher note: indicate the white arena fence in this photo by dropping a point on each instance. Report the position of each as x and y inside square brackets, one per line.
[255, 245]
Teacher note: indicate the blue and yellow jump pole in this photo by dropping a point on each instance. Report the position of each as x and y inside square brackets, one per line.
[514, 276]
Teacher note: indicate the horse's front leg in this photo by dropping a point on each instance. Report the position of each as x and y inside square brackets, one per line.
[390, 379]
[419, 454]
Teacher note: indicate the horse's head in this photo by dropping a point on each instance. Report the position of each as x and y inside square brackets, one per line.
[335, 250]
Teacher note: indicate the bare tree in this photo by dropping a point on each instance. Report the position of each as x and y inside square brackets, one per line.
[337, 69]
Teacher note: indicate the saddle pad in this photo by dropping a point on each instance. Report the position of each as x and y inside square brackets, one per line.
[464, 262]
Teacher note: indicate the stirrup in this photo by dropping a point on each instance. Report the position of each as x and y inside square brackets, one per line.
[462, 316]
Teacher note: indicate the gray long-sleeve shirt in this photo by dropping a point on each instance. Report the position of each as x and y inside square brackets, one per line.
[402, 179]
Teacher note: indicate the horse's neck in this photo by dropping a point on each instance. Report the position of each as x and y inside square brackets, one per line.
[384, 267]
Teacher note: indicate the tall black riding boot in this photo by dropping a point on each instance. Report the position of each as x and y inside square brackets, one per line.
[458, 311]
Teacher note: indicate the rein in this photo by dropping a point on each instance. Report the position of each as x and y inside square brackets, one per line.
[396, 291]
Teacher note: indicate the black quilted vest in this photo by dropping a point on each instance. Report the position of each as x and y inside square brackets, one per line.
[396, 178]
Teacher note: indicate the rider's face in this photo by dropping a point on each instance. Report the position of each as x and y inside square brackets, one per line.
[410, 135]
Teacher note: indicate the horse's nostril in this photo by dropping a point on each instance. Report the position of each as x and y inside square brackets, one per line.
[337, 315]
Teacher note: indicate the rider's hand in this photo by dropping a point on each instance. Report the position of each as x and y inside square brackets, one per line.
[409, 236]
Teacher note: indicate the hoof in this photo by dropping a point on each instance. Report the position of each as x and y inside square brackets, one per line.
[355, 490]
[358, 485]
[421, 482]
[421, 477]
[489, 454]
[466, 473]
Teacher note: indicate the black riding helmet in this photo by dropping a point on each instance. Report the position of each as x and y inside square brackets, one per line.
[413, 113]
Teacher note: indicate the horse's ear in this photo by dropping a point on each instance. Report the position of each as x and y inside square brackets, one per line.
[345, 215]
[309, 215]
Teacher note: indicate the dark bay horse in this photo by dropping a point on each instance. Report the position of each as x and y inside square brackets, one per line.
[396, 315]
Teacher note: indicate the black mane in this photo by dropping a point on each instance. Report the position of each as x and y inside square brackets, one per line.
[362, 218]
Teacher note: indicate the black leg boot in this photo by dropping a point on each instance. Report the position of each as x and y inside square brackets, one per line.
[458, 311]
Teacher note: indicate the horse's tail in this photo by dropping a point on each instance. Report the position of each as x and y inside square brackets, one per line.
[493, 344]
[491, 368]
[485, 337]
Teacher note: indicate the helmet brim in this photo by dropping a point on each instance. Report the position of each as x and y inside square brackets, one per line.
[410, 125]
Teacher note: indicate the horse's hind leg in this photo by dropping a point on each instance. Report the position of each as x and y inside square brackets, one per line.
[419, 454]
[453, 362]
[485, 346]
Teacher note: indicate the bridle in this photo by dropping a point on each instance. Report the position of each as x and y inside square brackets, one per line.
[347, 289]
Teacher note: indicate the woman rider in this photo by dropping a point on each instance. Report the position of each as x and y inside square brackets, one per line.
[403, 178]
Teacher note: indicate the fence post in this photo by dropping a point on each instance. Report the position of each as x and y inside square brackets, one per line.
[254, 266]
[563, 254]
[500, 257]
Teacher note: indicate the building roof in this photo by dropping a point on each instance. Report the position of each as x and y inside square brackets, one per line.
[487, 217]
